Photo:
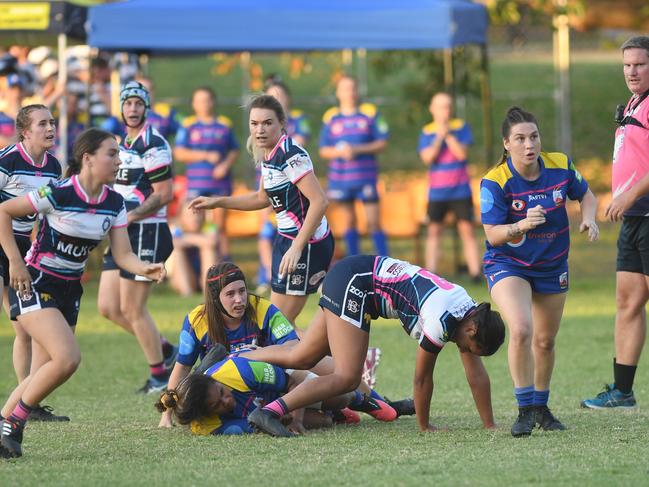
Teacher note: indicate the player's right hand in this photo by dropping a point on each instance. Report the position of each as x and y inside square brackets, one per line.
[535, 216]
[203, 203]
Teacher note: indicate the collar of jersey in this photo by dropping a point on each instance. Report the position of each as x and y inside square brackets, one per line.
[510, 164]
[279, 142]
[25, 155]
[81, 193]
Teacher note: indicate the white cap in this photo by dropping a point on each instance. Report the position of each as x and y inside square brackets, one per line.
[39, 54]
[48, 68]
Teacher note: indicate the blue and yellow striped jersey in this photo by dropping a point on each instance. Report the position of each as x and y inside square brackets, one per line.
[272, 328]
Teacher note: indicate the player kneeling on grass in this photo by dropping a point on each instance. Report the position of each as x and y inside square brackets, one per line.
[218, 397]
[236, 319]
[361, 288]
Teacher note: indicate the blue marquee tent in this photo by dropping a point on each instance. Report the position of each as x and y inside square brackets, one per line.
[291, 25]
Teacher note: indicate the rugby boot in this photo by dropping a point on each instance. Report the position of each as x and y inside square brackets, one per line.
[265, 421]
[11, 438]
[45, 413]
[546, 420]
[525, 422]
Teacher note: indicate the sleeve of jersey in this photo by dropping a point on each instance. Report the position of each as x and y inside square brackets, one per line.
[188, 345]
[298, 165]
[424, 141]
[232, 141]
[181, 137]
[464, 135]
[42, 199]
[277, 327]
[493, 207]
[121, 219]
[4, 176]
[325, 136]
[263, 377]
[577, 185]
[303, 128]
[157, 163]
[380, 128]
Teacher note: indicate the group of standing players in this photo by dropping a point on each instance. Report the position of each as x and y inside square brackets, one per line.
[123, 190]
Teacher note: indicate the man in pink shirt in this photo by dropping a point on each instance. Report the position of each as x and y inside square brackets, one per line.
[631, 205]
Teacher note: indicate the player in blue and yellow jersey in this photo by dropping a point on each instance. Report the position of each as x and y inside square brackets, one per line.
[206, 144]
[24, 167]
[161, 117]
[303, 247]
[145, 182]
[230, 317]
[298, 128]
[443, 148]
[77, 213]
[352, 136]
[523, 206]
[431, 310]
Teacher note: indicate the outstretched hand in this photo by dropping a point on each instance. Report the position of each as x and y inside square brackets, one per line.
[203, 203]
[591, 226]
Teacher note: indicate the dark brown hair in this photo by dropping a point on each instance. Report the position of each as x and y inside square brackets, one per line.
[24, 118]
[514, 116]
[218, 276]
[87, 143]
[490, 333]
[188, 401]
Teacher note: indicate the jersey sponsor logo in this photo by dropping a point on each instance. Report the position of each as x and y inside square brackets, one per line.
[519, 205]
[356, 292]
[298, 160]
[536, 197]
[297, 279]
[280, 329]
[396, 269]
[146, 253]
[72, 250]
[317, 277]
[353, 306]
[105, 225]
[557, 197]
[517, 241]
[486, 200]
[45, 297]
[44, 191]
[542, 235]
[263, 372]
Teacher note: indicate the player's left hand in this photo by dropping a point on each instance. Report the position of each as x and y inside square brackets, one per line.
[618, 205]
[290, 260]
[220, 171]
[155, 272]
[593, 229]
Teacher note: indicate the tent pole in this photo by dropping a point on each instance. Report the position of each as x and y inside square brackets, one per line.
[63, 101]
[485, 95]
[361, 55]
[561, 42]
[448, 70]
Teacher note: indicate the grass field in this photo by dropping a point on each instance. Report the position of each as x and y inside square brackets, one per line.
[113, 438]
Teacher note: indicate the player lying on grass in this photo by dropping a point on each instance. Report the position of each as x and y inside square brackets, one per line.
[232, 317]
[218, 397]
[361, 288]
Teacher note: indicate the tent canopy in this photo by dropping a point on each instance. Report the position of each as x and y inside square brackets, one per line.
[170, 26]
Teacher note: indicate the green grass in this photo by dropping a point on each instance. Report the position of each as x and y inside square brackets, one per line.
[113, 438]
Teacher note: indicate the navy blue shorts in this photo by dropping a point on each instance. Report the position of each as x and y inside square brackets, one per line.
[462, 209]
[23, 246]
[48, 292]
[348, 291]
[151, 242]
[311, 269]
[367, 193]
[547, 282]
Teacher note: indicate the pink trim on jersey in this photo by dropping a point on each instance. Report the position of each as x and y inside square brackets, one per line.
[120, 226]
[84, 196]
[381, 292]
[46, 271]
[29, 198]
[279, 142]
[139, 194]
[293, 217]
[438, 280]
[312, 240]
[140, 134]
[554, 186]
[445, 179]
[300, 177]
[402, 278]
[547, 210]
[28, 159]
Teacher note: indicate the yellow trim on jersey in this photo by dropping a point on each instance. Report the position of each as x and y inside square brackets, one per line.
[329, 114]
[205, 426]
[261, 309]
[189, 121]
[295, 113]
[499, 174]
[453, 124]
[223, 120]
[555, 160]
[229, 376]
[162, 109]
[368, 109]
[198, 322]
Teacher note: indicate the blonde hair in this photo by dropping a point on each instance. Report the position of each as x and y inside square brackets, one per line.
[266, 102]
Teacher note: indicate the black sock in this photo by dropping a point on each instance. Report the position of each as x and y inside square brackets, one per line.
[167, 348]
[624, 376]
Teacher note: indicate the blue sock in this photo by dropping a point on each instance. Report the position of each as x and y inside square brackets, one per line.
[541, 397]
[380, 242]
[376, 395]
[524, 396]
[352, 242]
[358, 399]
[262, 277]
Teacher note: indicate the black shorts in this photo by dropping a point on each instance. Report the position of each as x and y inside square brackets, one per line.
[48, 292]
[151, 242]
[463, 210]
[348, 291]
[311, 269]
[23, 246]
[633, 245]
